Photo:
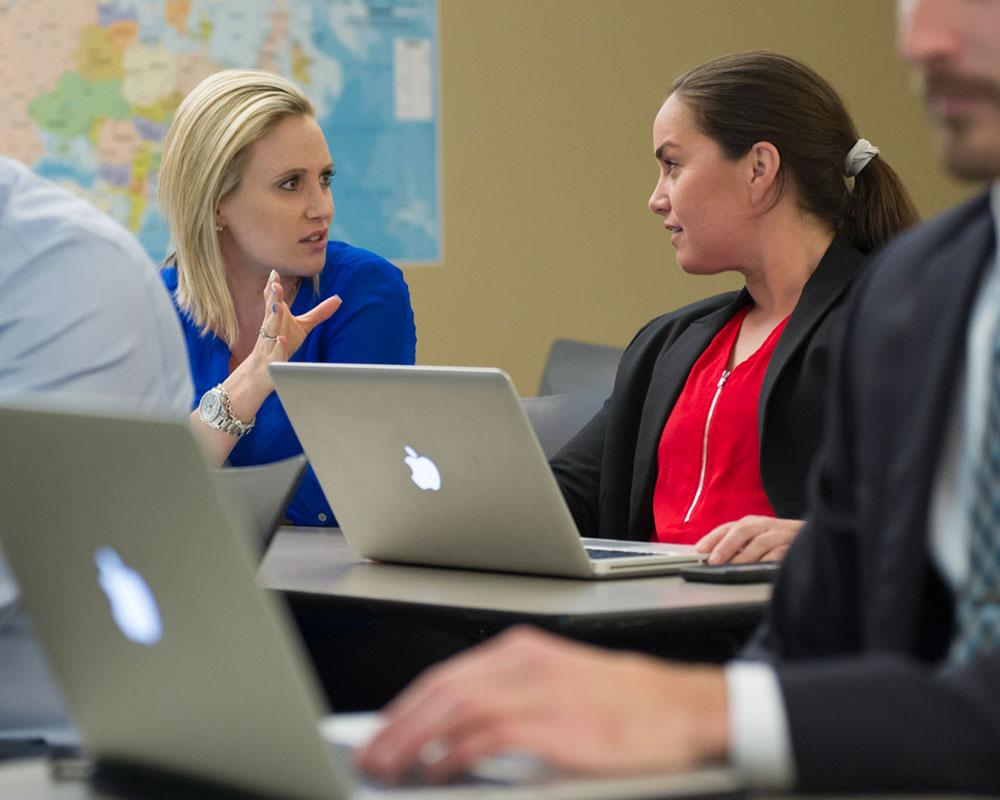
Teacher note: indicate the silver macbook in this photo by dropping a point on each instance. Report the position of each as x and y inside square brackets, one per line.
[181, 674]
[440, 466]
[264, 491]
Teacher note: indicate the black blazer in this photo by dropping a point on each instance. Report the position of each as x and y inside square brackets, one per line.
[608, 471]
[857, 591]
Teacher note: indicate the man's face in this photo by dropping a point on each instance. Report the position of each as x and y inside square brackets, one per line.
[954, 46]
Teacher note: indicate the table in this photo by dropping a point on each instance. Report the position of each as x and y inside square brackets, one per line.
[30, 780]
[316, 566]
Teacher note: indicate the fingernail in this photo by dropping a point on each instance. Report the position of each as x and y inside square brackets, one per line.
[713, 558]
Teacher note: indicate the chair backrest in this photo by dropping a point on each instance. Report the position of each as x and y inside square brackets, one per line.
[573, 366]
[557, 418]
[31, 704]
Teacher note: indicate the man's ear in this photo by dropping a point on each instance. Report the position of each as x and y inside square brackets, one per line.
[765, 162]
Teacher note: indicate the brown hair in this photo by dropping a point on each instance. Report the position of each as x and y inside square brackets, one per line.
[739, 100]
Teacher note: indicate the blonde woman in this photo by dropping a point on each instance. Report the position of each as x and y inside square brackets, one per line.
[245, 188]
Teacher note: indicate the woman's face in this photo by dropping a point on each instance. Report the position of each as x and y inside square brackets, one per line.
[703, 196]
[279, 215]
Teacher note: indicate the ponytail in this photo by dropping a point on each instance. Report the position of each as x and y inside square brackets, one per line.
[878, 207]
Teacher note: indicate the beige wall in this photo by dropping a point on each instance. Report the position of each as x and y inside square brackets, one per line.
[546, 110]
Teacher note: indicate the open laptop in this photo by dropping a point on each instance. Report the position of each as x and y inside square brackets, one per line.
[264, 491]
[176, 667]
[440, 466]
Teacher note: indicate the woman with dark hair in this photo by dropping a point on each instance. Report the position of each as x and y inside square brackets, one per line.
[717, 407]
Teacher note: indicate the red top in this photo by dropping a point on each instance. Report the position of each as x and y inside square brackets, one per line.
[709, 453]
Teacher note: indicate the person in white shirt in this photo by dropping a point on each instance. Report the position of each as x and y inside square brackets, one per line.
[86, 318]
[879, 658]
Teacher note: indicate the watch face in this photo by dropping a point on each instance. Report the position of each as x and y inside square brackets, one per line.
[211, 403]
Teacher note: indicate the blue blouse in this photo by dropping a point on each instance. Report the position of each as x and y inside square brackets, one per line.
[374, 325]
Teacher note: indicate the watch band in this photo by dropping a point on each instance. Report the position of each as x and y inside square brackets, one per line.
[224, 419]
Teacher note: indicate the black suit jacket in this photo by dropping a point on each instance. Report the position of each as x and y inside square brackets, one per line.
[608, 471]
[860, 620]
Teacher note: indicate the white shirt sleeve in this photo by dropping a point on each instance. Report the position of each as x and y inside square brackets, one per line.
[93, 323]
[85, 312]
[760, 746]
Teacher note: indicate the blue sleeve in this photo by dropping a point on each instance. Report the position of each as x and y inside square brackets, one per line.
[374, 325]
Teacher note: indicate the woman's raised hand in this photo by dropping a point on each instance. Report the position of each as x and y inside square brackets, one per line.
[282, 333]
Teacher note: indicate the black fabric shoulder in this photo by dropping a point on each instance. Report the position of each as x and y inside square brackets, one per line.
[908, 251]
[685, 315]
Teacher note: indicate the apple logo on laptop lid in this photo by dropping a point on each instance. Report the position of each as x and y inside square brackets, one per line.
[423, 472]
[133, 606]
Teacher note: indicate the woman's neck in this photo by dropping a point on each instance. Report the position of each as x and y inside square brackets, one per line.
[792, 254]
[247, 291]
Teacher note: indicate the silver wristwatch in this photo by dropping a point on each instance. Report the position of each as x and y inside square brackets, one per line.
[214, 410]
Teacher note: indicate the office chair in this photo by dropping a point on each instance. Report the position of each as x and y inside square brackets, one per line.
[572, 366]
[31, 706]
[557, 418]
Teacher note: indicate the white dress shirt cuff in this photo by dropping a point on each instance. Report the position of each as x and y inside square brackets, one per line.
[758, 729]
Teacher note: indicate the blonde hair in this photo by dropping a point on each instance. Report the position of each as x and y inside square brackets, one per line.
[204, 155]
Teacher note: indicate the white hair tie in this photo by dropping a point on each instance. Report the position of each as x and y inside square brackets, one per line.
[859, 156]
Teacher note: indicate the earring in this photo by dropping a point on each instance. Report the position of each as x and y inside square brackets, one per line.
[218, 228]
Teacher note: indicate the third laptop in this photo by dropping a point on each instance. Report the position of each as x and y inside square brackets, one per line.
[440, 466]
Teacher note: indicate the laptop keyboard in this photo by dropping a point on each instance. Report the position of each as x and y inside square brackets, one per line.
[601, 552]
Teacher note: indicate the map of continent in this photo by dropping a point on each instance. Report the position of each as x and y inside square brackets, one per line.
[88, 89]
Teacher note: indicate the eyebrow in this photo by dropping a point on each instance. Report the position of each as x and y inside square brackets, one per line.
[288, 173]
[659, 150]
